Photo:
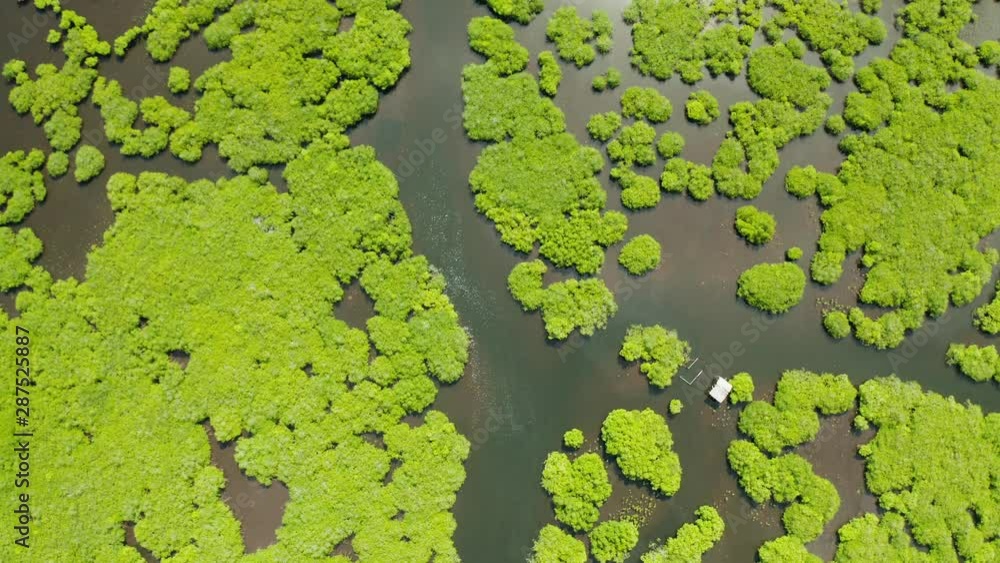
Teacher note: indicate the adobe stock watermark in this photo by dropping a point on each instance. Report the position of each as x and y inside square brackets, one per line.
[917, 340]
[423, 149]
[497, 420]
[720, 363]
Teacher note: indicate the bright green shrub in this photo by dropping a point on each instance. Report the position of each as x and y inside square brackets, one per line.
[774, 288]
[578, 488]
[675, 407]
[702, 107]
[646, 103]
[661, 352]
[742, 388]
[794, 254]
[978, 363]
[495, 40]
[692, 540]
[179, 79]
[670, 144]
[89, 163]
[566, 306]
[573, 439]
[837, 325]
[613, 540]
[57, 164]
[572, 35]
[523, 11]
[641, 254]
[638, 191]
[17, 252]
[556, 546]
[603, 126]
[634, 145]
[755, 226]
[549, 73]
[642, 445]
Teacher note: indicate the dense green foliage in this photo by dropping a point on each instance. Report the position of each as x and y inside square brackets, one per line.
[307, 82]
[917, 216]
[742, 388]
[635, 145]
[793, 104]
[179, 79]
[934, 463]
[702, 107]
[549, 73]
[264, 282]
[987, 318]
[567, 222]
[567, 305]
[603, 126]
[612, 540]
[572, 35]
[792, 420]
[837, 324]
[638, 191]
[835, 124]
[119, 114]
[788, 479]
[495, 40]
[17, 252]
[556, 546]
[168, 24]
[754, 225]
[57, 164]
[774, 288]
[21, 184]
[803, 182]
[679, 174]
[642, 445]
[692, 540]
[54, 95]
[89, 163]
[539, 186]
[241, 280]
[578, 487]
[573, 439]
[661, 352]
[576, 37]
[979, 363]
[675, 407]
[646, 103]
[670, 144]
[521, 10]
[641, 254]
[683, 36]
[794, 254]
[607, 81]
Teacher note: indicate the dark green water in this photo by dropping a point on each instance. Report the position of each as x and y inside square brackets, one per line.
[521, 393]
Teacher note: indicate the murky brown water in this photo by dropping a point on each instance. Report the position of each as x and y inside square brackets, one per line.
[520, 392]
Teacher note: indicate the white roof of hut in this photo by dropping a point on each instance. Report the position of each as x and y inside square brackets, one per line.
[720, 391]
